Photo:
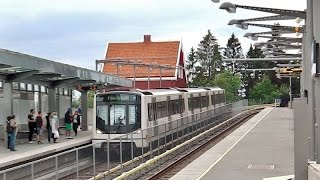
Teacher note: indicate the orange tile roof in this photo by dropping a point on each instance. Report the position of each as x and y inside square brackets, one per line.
[162, 53]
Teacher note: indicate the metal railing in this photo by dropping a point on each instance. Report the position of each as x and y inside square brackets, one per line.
[155, 141]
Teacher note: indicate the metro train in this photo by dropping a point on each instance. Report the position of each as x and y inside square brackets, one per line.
[120, 112]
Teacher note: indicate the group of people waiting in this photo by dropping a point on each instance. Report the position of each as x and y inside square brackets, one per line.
[37, 123]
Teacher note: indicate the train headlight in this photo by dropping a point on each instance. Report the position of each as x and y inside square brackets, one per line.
[99, 132]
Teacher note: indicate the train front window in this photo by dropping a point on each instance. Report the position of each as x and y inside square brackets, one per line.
[118, 113]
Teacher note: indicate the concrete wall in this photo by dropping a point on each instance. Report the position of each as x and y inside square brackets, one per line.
[314, 172]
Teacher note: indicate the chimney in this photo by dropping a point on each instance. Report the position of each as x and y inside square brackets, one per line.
[147, 38]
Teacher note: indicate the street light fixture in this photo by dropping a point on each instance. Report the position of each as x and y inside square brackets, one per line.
[273, 32]
[215, 1]
[245, 25]
[285, 39]
[232, 8]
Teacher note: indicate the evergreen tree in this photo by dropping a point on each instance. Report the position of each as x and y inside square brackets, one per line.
[191, 66]
[251, 78]
[232, 51]
[209, 58]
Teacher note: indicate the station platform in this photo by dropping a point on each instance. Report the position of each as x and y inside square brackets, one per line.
[28, 151]
[262, 148]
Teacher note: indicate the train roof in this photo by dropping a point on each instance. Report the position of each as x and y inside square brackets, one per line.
[214, 88]
[164, 91]
[160, 91]
[201, 89]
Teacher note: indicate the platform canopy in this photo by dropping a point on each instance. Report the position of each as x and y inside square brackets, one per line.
[18, 67]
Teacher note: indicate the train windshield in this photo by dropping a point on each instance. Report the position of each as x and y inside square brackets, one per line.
[118, 113]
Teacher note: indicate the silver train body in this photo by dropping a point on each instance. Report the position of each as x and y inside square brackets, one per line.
[143, 116]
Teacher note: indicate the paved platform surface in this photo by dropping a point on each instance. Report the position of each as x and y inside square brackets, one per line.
[28, 151]
[260, 148]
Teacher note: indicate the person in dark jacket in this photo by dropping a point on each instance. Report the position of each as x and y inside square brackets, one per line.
[32, 124]
[48, 126]
[76, 122]
[8, 133]
[68, 120]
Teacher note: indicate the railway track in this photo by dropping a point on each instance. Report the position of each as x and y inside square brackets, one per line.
[169, 169]
[164, 170]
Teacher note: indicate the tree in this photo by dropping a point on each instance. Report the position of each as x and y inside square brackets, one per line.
[251, 78]
[191, 66]
[232, 51]
[230, 82]
[90, 98]
[267, 91]
[208, 57]
[75, 100]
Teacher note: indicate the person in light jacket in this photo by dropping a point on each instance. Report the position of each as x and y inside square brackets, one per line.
[13, 134]
[54, 121]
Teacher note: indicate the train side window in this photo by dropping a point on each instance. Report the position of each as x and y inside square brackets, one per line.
[174, 107]
[159, 109]
[212, 99]
[190, 104]
[154, 111]
[165, 109]
[182, 108]
[162, 110]
[150, 112]
[196, 102]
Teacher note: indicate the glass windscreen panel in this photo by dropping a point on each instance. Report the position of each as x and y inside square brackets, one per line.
[118, 113]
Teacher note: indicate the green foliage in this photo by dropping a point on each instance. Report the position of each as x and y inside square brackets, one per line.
[208, 57]
[233, 49]
[266, 90]
[251, 78]
[75, 100]
[230, 82]
[90, 98]
[191, 62]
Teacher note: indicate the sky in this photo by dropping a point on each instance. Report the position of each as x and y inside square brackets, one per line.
[76, 32]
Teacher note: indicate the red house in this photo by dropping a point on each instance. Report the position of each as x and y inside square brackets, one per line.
[168, 53]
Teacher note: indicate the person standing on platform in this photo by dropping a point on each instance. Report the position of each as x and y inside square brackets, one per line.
[32, 124]
[8, 130]
[68, 121]
[80, 114]
[48, 126]
[76, 122]
[54, 122]
[39, 123]
[13, 133]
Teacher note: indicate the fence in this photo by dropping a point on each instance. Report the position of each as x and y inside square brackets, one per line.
[120, 151]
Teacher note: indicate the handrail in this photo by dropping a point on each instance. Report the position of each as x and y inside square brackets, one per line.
[3, 172]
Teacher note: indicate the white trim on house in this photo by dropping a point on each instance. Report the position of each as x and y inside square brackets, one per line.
[105, 55]
[155, 79]
[177, 61]
[184, 63]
